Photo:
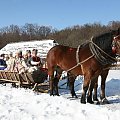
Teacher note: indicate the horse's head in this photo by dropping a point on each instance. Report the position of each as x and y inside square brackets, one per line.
[116, 45]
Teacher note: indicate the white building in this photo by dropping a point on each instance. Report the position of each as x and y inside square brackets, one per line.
[42, 46]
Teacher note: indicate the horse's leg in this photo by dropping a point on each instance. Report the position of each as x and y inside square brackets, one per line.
[56, 80]
[51, 79]
[58, 73]
[71, 81]
[95, 91]
[103, 80]
[51, 84]
[87, 78]
[91, 86]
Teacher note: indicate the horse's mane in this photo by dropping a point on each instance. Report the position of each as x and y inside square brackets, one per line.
[104, 41]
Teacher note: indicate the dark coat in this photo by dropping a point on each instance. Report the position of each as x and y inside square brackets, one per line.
[2, 64]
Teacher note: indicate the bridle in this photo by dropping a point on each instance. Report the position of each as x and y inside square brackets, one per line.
[116, 44]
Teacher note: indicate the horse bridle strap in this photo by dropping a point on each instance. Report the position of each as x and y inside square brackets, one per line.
[115, 42]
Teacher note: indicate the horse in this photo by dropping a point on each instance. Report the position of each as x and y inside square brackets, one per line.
[115, 49]
[89, 60]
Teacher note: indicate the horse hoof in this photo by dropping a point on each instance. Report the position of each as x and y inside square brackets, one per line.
[95, 99]
[51, 94]
[74, 96]
[57, 95]
[96, 102]
[83, 101]
[91, 102]
[104, 101]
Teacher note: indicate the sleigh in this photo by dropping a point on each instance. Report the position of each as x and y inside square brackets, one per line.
[36, 80]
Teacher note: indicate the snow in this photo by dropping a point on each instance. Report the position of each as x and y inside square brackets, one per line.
[24, 104]
[42, 46]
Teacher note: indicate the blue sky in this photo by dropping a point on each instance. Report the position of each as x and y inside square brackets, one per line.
[58, 13]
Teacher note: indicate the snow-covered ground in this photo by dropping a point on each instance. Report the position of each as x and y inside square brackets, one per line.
[24, 104]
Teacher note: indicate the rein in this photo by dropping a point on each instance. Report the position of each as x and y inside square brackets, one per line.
[79, 63]
[77, 59]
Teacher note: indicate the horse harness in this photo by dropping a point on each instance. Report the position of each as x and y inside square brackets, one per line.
[101, 55]
[115, 44]
[97, 52]
[77, 58]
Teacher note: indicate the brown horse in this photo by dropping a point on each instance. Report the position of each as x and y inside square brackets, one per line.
[89, 59]
[116, 50]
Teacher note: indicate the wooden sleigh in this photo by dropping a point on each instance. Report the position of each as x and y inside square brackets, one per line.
[36, 80]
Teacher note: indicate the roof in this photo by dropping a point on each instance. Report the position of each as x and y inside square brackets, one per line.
[43, 47]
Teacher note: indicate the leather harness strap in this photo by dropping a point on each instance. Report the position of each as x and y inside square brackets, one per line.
[77, 54]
